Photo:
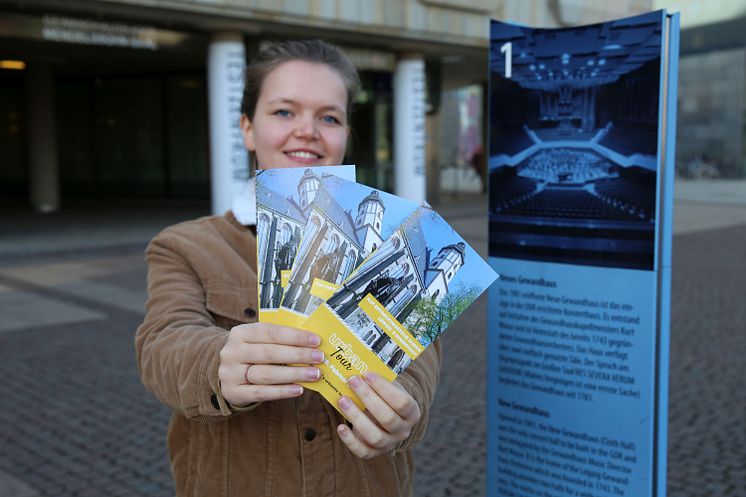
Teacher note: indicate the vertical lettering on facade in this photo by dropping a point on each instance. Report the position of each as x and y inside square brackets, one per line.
[234, 69]
[418, 120]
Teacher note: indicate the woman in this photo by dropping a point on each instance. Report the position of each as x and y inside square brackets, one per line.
[241, 424]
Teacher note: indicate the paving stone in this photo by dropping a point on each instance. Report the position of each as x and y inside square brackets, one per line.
[23, 310]
[11, 486]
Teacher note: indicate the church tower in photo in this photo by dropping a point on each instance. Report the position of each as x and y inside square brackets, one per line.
[443, 268]
[368, 222]
[307, 187]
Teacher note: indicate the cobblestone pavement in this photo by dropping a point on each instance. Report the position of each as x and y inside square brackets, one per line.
[75, 420]
[707, 400]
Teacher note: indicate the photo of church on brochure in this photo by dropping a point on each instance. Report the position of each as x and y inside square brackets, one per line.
[397, 302]
[347, 222]
[283, 201]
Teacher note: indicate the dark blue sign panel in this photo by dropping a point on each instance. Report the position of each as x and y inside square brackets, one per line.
[580, 212]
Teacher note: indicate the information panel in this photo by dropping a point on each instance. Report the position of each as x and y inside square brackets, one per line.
[580, 210]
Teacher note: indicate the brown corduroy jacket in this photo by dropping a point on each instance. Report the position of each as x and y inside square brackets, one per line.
[201, 283]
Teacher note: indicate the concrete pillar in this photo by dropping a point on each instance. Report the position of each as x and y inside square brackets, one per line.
[229, 165]
[409, 128]
[433, 123]
[42, 138]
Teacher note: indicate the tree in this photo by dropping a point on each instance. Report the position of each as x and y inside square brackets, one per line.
[428, 318]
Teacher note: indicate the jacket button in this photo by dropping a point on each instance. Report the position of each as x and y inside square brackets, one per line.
[249, 312]
[310, 434]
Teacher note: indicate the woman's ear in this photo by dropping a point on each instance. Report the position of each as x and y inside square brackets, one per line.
[247, 130]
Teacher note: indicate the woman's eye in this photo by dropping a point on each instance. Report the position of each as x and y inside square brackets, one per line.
[330, 120]
[282, 113]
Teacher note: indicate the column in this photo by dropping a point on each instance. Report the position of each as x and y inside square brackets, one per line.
[42, 139]
[409, 128]
[229, 165]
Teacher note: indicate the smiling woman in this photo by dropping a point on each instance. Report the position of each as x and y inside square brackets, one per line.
[297, 124]
[242, 424]
[296, 105]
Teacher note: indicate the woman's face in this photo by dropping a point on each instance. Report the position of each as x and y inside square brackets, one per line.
[300, 117]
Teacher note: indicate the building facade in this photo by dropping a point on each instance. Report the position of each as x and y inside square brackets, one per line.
[711, 122]
[103, 98]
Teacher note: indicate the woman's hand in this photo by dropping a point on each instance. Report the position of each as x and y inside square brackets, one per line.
[253, 363]
[389, 417]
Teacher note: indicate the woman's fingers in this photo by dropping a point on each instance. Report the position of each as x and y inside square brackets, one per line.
[260, 374]
[395, 396]
[389, 417]
[281, 335]
[243, 395]
[356, 445]
[253, 362]
[365, 428]
[376, 406]
[268, 353]
[262, 343]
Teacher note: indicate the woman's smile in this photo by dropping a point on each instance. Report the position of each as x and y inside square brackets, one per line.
[304, 156]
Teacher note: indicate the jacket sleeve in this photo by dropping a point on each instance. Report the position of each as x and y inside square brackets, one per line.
[420, 380]
[178, 345]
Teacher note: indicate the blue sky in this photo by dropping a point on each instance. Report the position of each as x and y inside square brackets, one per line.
[438, 233]
[285, 180]
[349, 195]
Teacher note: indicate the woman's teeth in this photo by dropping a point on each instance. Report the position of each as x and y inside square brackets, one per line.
[303, 155]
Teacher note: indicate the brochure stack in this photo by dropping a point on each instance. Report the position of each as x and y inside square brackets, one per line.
[378, 277]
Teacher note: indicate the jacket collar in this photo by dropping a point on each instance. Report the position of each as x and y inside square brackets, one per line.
[243, 204]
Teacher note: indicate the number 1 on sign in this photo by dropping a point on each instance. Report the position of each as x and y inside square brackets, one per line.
[507, 49]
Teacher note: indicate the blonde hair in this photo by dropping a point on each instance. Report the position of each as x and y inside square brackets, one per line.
[314, 51]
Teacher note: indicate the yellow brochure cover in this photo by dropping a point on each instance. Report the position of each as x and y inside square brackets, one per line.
[344, 356]
[286, 317]
[400, 299]
[268, 316]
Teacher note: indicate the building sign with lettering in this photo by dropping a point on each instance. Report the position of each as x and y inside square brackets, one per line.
[580, 212]
[86, 31]
[90, 32]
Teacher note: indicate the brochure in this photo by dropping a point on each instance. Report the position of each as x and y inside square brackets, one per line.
[396, 303]
[283, 200]
[347, 222]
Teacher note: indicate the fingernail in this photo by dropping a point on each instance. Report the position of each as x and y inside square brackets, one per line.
[317, 356]
[313, 374]
[342, 430]
[314, 340]
[296, 390]
[345, 403]
[354, 381]
[371, 377]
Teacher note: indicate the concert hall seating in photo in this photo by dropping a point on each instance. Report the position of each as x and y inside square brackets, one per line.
[632, 137]
[510, 139]
[510, 191]
[569, 203]
[553, 134]
[626, 195]
[604, 219]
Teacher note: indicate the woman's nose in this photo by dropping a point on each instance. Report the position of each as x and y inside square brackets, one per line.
[306, 128]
